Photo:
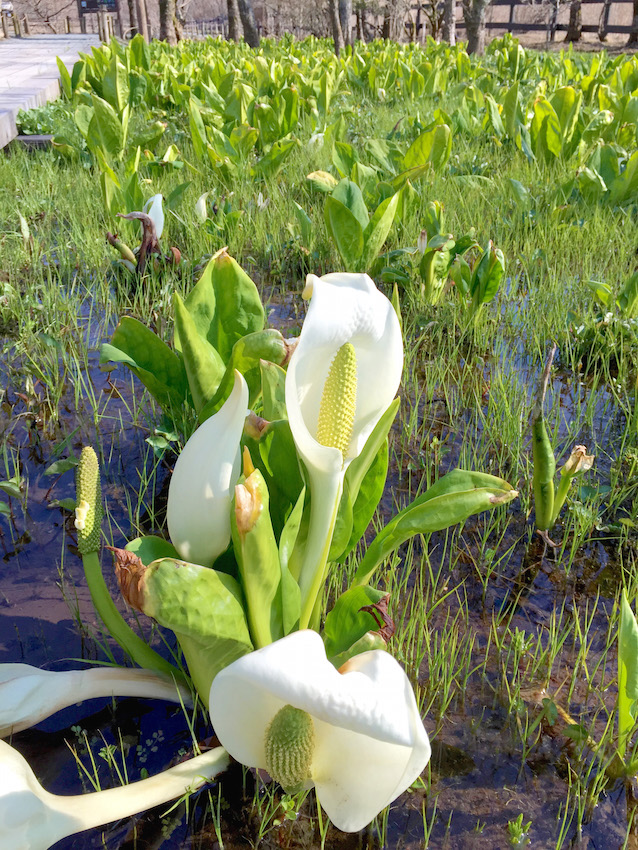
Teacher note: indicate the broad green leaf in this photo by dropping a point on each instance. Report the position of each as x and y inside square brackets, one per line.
[433, 146]
[322, 181]
[349, 194]
[272, 162]
[225, 304]
[273, 385]
[487, 275]
[157, 366]
[627, 673]
[106, 129]
[628, 297]
[246, 357]
[149, 549]
[197, 130]
[346, 623]
[204, 366]
[567, 102]
[377, 230]
[115, 87]
[205, 609]
[495, 116]
[346, 231]
[454, 498]
[625, 187]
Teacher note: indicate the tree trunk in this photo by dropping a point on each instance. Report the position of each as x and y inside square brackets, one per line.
[474, 16]
[335, 25]
[345, 14]
[251, 33]
[603, 23]
[234, 21]
[574, 28]
[633, 35]
[361, 12]
[132, 16]
[449, 21]
[167, 21]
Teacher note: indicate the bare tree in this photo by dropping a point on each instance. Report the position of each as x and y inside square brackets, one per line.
[574, 28]
[247, 15]
[449, 21]
[168, 21]
[335, 25]
[474, 12]
[345, 14]
[234, 21]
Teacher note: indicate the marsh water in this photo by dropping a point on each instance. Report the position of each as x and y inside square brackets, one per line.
[480, 777]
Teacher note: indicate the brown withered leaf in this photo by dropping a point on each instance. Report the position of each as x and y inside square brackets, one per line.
[130, 572]
[379, 610]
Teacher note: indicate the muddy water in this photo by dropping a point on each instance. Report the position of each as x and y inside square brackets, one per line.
[479, 780]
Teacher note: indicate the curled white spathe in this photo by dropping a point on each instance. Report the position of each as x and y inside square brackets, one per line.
[205, 473]
[370, 743]
[34, 819]
[29, 695]
[344, 307]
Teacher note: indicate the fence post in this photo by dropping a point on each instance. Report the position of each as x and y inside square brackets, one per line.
[512, 14]
[17, 27]
[27, 28]
[5, 25]
[603, 24]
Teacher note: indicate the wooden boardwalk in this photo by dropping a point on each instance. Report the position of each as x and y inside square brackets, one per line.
[29, 74]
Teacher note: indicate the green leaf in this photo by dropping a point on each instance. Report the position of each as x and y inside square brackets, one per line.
[322, 181]
[157, 366]
[273, 385]
[455, 497]
[346, 623]
[346, 231]
[205, 610]
[225, 304]
[433, 146]
[204, 366]
[377, 230]
[65, 79]
[12, 487]
[487, 275]
[627, 673]
[349, 194]
[271, 163]
[58, 467]
[149, 549]
[246, 357]
[495, 116]
[566, 103]
[106, 129]
[115, 87]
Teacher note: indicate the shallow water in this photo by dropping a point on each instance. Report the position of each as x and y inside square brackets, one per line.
[479, 779]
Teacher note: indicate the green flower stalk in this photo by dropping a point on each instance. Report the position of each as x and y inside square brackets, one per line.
[257, 555]
[342, 377]
[88, 516]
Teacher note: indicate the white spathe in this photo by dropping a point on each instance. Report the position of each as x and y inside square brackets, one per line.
[29, 695]
[344, 307]
[200, 492]
[370, 742]
[34, 819]
[155, 210]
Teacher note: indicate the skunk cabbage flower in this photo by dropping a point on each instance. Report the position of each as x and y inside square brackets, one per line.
[200, 491]
[29, 695]
[155, 210]
[33, 819]
[342, 376]
[354, 733]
